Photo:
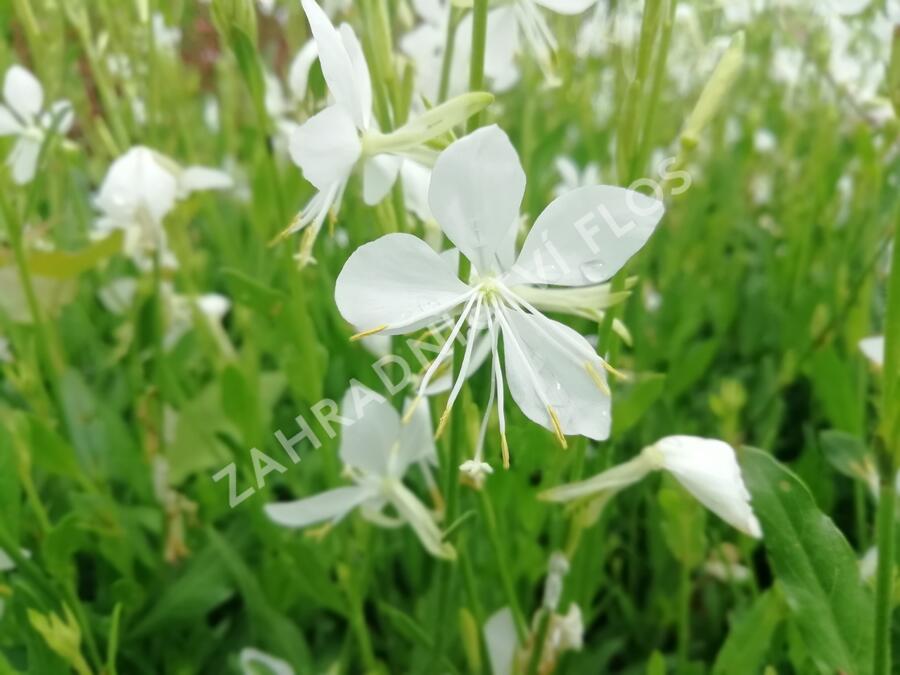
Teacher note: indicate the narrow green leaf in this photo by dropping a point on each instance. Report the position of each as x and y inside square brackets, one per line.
[745, 648]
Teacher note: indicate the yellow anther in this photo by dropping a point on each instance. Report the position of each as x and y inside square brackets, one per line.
[367, 333]
[318, 533]
[612, 371]
[598, 380]
[445, 417]
[286, 232]
[557, 427]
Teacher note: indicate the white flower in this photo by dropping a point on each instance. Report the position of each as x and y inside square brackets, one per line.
[501, 641]
[163, 36]
[572, 178]
[140, 189]
[398, 284]
[329, 146]
[707, 468]
[255, 662]
[22, 114]
[5, 353]
[873, 349]
[179, 310]
[376, 450]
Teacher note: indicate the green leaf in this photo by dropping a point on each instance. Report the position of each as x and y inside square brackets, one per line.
[815, 565]
[70, 264]
[630, 405]
[748, 640]
[848, 454]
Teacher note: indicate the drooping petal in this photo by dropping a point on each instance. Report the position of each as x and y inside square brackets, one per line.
[23, 159]
[331, 505]
[873, 349]
[396, 283]
[23, 93]
[379, 175]
[371, 431]
[550, 366]
[477, 186]
[326, 147]
[566, 6]
[8, 123]
[501, 641]
[298, 73]
[709, 470]
[337, 65]
[586, 236]
[255, 662]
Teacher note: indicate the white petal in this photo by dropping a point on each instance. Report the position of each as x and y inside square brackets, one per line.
[552, 369]
[23, 93]
[137, 180]
[214, 306]
[413, 511]
[298, 74]
[8, 123]
[500, 639]
[371, 432]
[379, 174]
[873, 348]
[416, 180]
[326, 147]
[586, 236]
[477, 186]
[708, 469]
[416, 439]
[63, 111]
[337, 65]
[195, 178]
[23, 159]
[501, 49]
[361, 78]
[255, 662]
[566, 6]
[398, 282]
[332, 505]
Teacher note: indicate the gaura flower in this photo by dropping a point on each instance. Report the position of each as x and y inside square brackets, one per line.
[873, 349]
[376, 450]
[705, 467]
[329, 146]
[397, 284]
[140, 189]
[22, 114]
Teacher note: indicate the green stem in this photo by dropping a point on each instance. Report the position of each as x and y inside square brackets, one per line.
[479, 43]
[540, 638]
[450, 47]
[684, 618]
[884, 592]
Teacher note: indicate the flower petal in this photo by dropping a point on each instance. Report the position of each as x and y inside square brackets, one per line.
[416, 439]
[379, 175]
[196, 178]
[326, 147]
[398, 282]
[8, 123]
[500, 52]
[331, 505]
[371, 432]
[298, 74]
[709, 470]
[23, 159]
[873, 349]
[586, 236]
[611, 480]
[416, 179]
[337, 64]
[566, 6]
[253, 659]
[501, 641]
[137, 180]
[551, 367]
[414, 512]
[23, 93]
[361, 78]
[477, 186]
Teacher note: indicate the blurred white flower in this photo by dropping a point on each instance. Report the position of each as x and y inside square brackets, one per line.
[764, 141]
[282, 106]
[572, 178]
[5, 353]
[376, 450]
[179, 310]
[330, 145]
[707, 468]
[501, 641]
[6, 563]
[165, 37]
[140, 188]
[22, 114]
[398, 284]
[873, 349]
[255, 662]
